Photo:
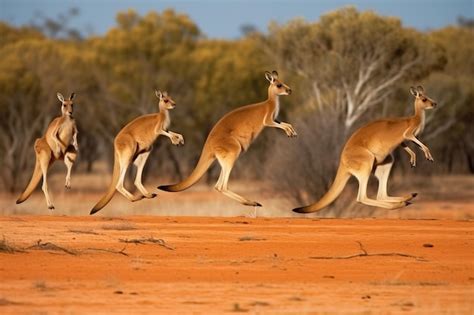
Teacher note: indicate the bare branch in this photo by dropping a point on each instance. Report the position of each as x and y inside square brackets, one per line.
[366, 254]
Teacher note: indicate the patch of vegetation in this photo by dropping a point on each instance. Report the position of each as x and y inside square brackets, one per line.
[8, 248]
[124, 226]
[41, 286]
[83, 232]
[144, 240]
[51, 246]
[238, 309]
[5, 302]
[251, 238]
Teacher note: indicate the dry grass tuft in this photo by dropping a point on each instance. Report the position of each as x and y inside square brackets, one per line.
[5, 247]
[83, 232]
[251, 238]
[41, 286]
[125, 226]
[144, 240]
[6, 302]
[51, 246]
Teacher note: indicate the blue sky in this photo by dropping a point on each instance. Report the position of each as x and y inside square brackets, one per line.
[223, 19]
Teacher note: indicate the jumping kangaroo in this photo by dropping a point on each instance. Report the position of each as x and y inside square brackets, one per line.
[134, 143]
[59, 142]
[371, 146]
[233, 134]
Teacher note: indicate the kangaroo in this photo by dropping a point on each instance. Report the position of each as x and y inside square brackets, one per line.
[59, 142]
[372, 146]
[233, 135]
[134, 143]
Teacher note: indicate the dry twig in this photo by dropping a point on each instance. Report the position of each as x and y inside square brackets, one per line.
[50, 246]
[84, 232]
[365, 254]
[120, 252]
[144, 240]
[251, 238]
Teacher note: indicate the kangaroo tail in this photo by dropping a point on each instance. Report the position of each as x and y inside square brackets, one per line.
[35, 178]
[337, 186]
[205, 161]
[110, 193]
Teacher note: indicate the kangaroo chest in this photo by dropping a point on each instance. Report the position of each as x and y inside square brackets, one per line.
[277, 108]
[165, 121]
[421, 127]
[148, 130]
[66, 131]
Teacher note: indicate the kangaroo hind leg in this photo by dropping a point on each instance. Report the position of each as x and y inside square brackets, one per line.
[382, 172]
[226, 159]
[361, 164]
[69, 159]
[44, 157]
[140, 164]
[125, 153]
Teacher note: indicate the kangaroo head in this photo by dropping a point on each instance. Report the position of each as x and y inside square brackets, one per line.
[421, 100]
[165, 100]
[276, 87]
[66, 105]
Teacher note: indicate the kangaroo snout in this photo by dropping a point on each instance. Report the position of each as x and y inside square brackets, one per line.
[288, 91]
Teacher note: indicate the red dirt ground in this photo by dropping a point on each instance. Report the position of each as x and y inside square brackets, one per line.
[237, 265]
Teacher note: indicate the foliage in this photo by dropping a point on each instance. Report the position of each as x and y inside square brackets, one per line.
[345, 69]
[353, 67]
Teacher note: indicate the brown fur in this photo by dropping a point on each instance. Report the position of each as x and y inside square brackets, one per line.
[372, 146]
[58, 143]
[133, 144]
[233, 135]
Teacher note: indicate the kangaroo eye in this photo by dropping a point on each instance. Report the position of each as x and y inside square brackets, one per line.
[166, 101]
[279, 85]
[424, 100]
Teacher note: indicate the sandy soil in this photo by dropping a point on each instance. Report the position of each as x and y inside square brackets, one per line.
[236, 265]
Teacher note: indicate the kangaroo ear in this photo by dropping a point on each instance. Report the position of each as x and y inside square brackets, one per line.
[165, 93]
[60, 97]
[275, 74]
[413, 91]
[269, 77]
[159, 94]
[72, 96]
[420, 89]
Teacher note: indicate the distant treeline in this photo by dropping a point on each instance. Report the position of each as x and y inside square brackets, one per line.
[345, 69]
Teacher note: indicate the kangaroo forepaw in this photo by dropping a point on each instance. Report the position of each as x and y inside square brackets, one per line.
[429, 157]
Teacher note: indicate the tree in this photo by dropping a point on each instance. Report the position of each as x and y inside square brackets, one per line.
[32, 71]
[350, 60]
[347, 66]
[451, 126]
